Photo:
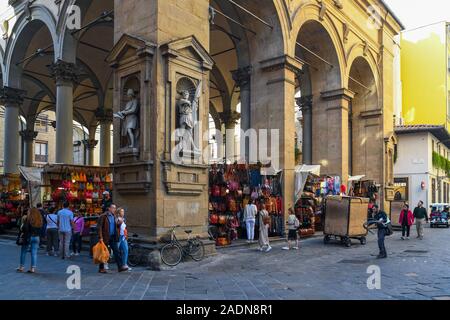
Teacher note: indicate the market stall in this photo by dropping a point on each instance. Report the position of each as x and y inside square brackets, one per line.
[230, 189]
[14, 197]
[82, 186]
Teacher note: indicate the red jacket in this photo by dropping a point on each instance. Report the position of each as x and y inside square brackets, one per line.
[410, 217]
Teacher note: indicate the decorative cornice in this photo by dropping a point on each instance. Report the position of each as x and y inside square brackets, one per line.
[11, 97]
[230, 118]
[338, 94]
[282, 62]
[242, 77]
[28, 135]
[305, 103]
[64, 72]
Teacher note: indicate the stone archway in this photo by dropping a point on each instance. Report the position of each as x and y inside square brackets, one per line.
[365, 122]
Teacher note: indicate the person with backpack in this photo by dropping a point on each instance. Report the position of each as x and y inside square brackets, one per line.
[52, 233]
[293, 226]
[30, 231]
[382, 224]
[77, 236]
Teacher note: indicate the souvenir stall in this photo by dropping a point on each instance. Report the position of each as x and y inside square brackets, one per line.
[81, 186]
[231, 187]
[307, 199]
[14, 196]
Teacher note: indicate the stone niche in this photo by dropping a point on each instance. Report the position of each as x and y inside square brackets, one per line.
[187, 66]
[132, 60]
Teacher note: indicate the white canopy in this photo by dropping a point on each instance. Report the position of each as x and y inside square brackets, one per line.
[301, 175]
[33, 176]
[355, 178]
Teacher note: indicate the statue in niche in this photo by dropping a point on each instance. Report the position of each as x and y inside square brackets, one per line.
[186, 109]
[129, 117]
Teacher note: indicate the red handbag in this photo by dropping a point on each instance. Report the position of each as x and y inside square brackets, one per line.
[215, 191]
[213, 219]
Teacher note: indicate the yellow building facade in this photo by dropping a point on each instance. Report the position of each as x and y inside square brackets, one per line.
[425, 54]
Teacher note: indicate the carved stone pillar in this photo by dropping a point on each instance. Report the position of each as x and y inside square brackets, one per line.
[28, 137]
[242, 77]
[11, 98]
[105, 118]
[230, 120]
[305, 104]
[65, 74]
[90, 145]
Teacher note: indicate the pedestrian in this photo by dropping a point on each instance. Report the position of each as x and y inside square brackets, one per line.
[42, 236]
[406, 221]
[31, 230]
[106, 201]
[123, 237]
[382, 220]
[52, 233]
[77, 237]
[420, 214]
[108, 233]
[250, 212]
[293, 226]
[65, 226]
[264, 221]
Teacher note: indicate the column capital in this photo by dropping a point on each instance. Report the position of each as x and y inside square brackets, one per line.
[230, 118]
[242, 77]
[104, 115]
[282, 62]
[305, 103]
[90, 144]
[11, 96]
[28, 135]
[64, 72]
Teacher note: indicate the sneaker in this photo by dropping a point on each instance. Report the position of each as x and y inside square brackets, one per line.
[261, 249]
[47, 254]
[55, 255]
[407, 238]
[123, 269]
[106, 266]
[403, 238]
[268, 248]
[76, 254]
[285, 248]
[295, 248]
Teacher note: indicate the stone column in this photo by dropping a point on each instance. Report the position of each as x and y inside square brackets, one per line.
[230, 120]
[305, 104]
[90, 145]
[337, 113]
[28, 137]
[11, 98]
[105, 117]
[242, 78]
[65, 75]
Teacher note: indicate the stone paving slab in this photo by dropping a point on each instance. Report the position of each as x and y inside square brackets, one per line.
[414, 270]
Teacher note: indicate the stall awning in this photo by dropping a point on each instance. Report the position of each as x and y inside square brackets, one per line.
[355, 178]
[271, 171]
[301, 175]
[33, 176]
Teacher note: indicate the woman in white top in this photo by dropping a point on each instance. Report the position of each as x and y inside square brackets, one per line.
[123, 244]
[250, 212]
[52, 233]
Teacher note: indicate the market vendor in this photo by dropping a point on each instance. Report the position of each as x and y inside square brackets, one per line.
[107, 201]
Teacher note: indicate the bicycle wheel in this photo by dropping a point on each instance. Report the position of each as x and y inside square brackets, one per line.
[197, 250]
[171, 254]
[134, 257]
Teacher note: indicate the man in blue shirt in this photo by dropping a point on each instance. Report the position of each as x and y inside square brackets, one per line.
[65, 226]
[108, 232]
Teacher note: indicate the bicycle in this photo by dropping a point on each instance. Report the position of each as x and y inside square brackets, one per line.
[135, 255]
[173, 252]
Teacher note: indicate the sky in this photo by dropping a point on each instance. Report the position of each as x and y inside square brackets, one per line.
[417, 13]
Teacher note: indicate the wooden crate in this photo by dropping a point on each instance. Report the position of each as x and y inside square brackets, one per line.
[345, 216]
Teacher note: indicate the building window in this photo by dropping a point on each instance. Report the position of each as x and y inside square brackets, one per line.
[433, 190]
[432, 145]
[41, 152]
[401, 189]
[41, 124]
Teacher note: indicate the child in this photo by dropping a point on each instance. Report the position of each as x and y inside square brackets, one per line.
[293, 225]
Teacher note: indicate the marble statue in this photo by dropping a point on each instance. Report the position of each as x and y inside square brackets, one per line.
[130, 119]
[186, 110]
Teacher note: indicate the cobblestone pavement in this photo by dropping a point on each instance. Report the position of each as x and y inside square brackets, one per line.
[415, 269]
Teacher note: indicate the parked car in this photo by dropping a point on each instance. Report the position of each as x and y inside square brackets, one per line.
[439, 215]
